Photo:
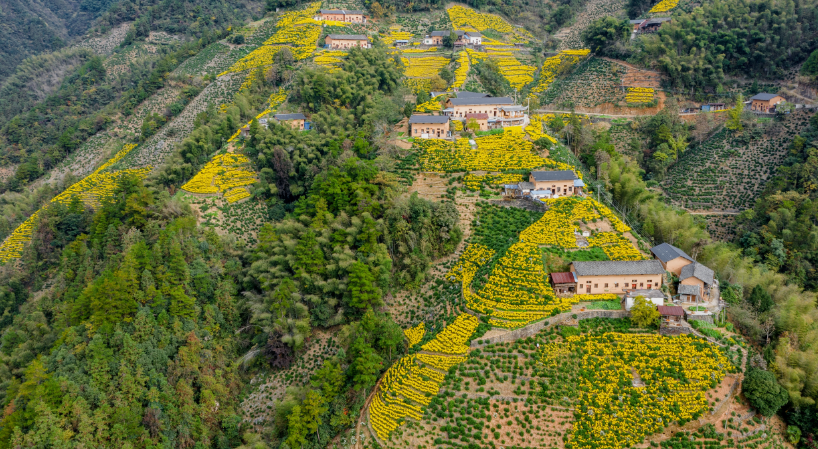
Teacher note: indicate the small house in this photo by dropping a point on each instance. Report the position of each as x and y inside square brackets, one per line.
[671, 316]
[672, 258]
[698, 275]
[653, 296]
[429, 126]
[436, 38]
[617, 276]
[295, 121]
[652, 25]
[401, 43]
[689, 293]
[559, 182]
[765, 102]
[475, 104]
[711, 107]
[564, 283]
[345, 41]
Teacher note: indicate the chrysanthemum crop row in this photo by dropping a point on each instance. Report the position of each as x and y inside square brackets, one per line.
[461, 72]
[452, 340]
[555, 65]
[535, 129]
[418, 85]
[393, 36]
[475, 182]
[415, 334]
[499, 152]
[462, 17]
[221, 174]
[424, 67]
[117, 157]
[664, 6]
[639, 95]
[430, 106]
[91, 190]
[612, 412]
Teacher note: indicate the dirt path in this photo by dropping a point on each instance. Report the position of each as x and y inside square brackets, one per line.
[710, 212]
[629, 65]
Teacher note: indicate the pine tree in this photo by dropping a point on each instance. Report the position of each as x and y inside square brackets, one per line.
[314, 407]
[181, 304]
[366, 364]
[361, 288]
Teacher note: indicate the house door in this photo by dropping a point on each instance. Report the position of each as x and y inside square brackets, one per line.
[648, 286]
[588, 289]
[634, 286]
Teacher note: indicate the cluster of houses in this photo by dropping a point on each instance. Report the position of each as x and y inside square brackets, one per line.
[694, 282]
[546, 184]
[341, 15]
[464, 38]
[469, 107]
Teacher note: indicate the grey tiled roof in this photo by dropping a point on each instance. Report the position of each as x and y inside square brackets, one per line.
[618, 268]
[697, 271]
[480, 101]
[339, 11]
[667, 252]
[349, 37]
[763, 97]
[440, 33]
[555, 175]
[689, 290]
[428, 119]
[467, 94]
[652, 293]
[526, 185]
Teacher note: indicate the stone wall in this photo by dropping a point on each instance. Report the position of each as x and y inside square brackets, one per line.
[705, 318]
[563, 318]
[674, 330]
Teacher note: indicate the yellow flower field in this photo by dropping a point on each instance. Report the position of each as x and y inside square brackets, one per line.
[224, 172]
[554, 65]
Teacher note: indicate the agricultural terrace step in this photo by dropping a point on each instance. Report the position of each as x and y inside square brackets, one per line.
[534, 328]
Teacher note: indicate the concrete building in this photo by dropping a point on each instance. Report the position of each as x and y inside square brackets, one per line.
[341, 15]
[617, 277]
[462, 105]
[765, 102]
[295, 121]
[559, 182]
[344, 41]
[429, 126]
[653, 296]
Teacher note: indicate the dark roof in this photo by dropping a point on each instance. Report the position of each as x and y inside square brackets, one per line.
[618, 267]
[480, 101]
[467, 94]
[349, 37]
[697, 271]
[556, 175]
[763, 97]
[671, 311]
[428, 119]
[473, 34]
[480, 116]
[440, 33]
[689, 290]
[667, 252]
[658, 20]
[563, 278]
[284, 117]
[636, 21]
[339, 11]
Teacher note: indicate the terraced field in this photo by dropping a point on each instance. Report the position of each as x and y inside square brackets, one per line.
[726, 173]
[590, 84]
[570, 37]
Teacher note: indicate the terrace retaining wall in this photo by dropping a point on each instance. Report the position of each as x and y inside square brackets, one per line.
[565, 318]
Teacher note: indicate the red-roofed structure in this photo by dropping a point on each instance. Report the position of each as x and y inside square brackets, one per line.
[671, 311]
[564, 283]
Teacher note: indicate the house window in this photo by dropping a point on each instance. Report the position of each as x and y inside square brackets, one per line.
[596, 285]
[616, 285]
[634, 280]
[641, 284]
[587, 282]
[650, 280]
[606, 285]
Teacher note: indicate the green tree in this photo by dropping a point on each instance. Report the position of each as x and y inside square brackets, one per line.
[810, 67]
[362, 291]
[604, 33]
[472, 125]
[763, 391]
[448, 41]
[329, 378]
[314, 407]
[734, 115]
[643, 313]
[760, 299]
[296, 429]
[366, 364]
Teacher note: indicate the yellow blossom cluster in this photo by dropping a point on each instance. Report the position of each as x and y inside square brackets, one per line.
[608, 213]
[417, 85]
[462, 17]
[417, 50]
[430, 106]
[415, 334]
[664, 6]
[457, 125]
[556, 226]
[519, 278]
[498, 152]
[612, 413]
[424, 67]
[407, 386]
[474, 182]
[475, 256]
[555, 65]
[639, 95]
[236, 195]
[616, 247]
[461, 72]
[91, 190]
[248, 80]
[117, 157]
[260, 57]
[535, 129]
[222, 173]
[517, 74]
[392, 36]
[452, 340]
